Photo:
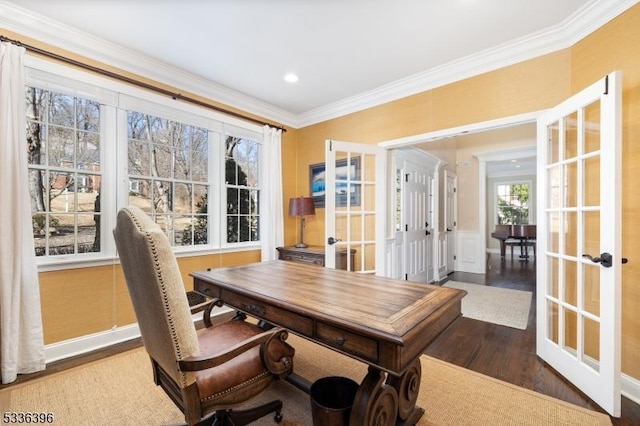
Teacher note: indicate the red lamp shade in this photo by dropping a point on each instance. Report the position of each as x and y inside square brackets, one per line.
[301, 206]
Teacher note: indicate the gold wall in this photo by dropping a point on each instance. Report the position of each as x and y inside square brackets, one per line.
[83, 301]
[615, 47]
[529, 86]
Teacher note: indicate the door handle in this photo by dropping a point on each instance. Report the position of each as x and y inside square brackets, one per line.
[331, 241]
[605, 259]
[449, 229]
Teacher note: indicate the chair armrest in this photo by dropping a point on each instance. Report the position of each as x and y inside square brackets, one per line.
[203, 362]
[207, 307]
[284, 365]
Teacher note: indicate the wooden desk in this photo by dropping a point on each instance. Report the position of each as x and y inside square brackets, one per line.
[315, 255]
[383, 322]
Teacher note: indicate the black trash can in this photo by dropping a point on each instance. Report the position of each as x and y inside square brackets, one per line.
[331, 400]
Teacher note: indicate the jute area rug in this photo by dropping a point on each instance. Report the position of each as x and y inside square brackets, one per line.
[501, 306]
[119, 391]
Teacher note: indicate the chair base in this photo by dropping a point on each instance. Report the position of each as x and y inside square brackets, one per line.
[243, 417]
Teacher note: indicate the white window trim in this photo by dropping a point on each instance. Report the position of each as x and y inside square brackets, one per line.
[514, 181]
[115, 98]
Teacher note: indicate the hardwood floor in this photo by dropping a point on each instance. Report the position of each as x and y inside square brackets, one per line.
[507, 353]
[504, 353]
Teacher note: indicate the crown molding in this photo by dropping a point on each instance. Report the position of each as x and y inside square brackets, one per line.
[43, 29]
[586, 20]
[582, 23]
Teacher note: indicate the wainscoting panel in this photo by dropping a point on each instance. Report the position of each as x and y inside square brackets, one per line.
[470, 252]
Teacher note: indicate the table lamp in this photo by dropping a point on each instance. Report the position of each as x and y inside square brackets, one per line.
[301, 206]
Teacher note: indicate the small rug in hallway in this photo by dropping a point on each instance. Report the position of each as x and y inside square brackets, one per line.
[502, 306]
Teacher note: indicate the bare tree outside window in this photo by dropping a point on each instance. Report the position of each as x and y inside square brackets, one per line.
[168, 175]
[63, 141]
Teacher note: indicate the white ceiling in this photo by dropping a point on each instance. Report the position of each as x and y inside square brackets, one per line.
[349, 54]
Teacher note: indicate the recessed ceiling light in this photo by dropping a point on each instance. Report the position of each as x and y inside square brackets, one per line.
[291, 78]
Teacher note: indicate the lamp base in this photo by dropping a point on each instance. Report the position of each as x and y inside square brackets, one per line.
[301, 245]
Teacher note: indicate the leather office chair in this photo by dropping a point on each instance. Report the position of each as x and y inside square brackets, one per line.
[203, 371]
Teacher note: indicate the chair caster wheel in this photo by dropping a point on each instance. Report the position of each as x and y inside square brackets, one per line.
[278, 417]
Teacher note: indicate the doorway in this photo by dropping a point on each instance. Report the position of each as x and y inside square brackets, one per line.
[464, 151]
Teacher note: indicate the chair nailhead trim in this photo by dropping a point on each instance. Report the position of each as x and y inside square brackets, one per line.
[241, 385]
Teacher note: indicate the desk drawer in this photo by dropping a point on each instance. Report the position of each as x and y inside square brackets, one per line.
[269, 313]
[362, 347]
[303, 258]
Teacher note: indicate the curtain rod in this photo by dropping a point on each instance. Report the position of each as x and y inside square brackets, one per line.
[175, 96]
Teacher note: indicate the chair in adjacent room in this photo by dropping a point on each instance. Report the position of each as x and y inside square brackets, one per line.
[209, 371]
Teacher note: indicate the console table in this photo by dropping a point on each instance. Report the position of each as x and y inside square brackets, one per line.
[383, 322]
[315, 255]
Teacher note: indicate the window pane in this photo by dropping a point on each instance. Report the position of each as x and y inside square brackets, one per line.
[63, 138]
[241, 176]
[512, 204]
[165, 159]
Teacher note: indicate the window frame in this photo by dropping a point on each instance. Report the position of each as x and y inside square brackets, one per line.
[511, 182]
[115, 98]
[259, 188]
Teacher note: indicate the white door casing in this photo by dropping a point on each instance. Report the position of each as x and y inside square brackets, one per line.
[579, 215]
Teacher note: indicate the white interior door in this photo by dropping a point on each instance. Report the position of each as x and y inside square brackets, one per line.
[418, 222]
[450, 180]
[578, 298]
[355, 213]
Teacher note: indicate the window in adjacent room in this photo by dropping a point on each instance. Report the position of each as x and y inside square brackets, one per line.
[63, 141]
[512, 206]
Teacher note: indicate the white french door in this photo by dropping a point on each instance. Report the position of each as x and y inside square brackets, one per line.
[579, 240]
[355, 213]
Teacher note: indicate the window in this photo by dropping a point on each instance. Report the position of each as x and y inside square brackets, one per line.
[96, 145]
[241, 180]
[512, 203]
[169, 175]
[63, 140]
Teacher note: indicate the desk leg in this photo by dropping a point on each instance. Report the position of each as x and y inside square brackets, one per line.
[376, 403]
[408, 386]
[388, 403]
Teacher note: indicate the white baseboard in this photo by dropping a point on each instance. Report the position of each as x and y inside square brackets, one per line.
[92, 342]
[630, 388]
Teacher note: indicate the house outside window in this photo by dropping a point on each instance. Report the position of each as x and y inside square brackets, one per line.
[96, 146]
[63, 142]
[168, 168]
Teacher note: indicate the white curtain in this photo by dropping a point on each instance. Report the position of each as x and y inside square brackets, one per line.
[21, 340]
[272, 229]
